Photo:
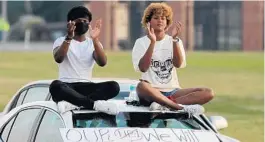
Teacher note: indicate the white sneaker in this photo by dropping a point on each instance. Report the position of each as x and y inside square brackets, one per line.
[106, 107]
[64, 106]
[193, 109]
[157, 106]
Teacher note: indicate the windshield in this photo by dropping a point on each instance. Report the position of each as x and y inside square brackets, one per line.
[135, 119]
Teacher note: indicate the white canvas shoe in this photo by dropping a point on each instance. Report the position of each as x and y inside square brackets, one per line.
[64, 106]
[106, 107]
[156, 106]
[193, 109]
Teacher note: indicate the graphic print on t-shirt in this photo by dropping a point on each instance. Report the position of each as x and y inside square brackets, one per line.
[162, 65]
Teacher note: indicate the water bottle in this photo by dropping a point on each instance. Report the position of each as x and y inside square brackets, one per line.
[132, 88]
[133, 94]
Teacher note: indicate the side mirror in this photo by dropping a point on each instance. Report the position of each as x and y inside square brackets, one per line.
[218, 122]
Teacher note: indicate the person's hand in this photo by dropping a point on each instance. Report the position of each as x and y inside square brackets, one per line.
[94, 32]
[71, 29]
[150, 33]
[176, 29]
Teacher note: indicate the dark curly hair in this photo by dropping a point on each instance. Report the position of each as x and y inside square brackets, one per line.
[79, 12]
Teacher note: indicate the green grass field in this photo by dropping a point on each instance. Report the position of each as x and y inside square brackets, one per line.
[237, 79]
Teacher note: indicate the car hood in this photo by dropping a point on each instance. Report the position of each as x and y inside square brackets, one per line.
[1, 114]
[137, 135]
[226, 138]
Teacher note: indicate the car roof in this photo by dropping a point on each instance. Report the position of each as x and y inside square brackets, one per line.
[119, 80]
[48, 82]
[124, 82]
[123, 107]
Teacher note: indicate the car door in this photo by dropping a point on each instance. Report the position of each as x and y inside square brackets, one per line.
[48, 127]
[36, 124]
[20, 125]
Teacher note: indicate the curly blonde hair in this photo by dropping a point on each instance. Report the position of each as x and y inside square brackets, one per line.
[157, 8]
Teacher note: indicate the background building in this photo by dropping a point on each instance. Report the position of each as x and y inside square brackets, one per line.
[208, 25]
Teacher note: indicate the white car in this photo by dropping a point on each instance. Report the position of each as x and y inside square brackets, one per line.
[26, 98]
[45, 121]
[39, 91]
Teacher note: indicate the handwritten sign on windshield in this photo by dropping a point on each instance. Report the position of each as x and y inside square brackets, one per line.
[136, 135]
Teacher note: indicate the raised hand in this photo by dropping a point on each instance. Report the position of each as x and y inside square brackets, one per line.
[71, 29]
[94, 32]
[150, 33]
[176, 29]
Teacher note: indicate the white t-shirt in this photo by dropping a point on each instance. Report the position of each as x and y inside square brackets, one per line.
[161, 73]
[77, 66]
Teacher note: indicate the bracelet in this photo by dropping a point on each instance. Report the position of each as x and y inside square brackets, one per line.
[176, 39]
[68, 38]
[67, 41]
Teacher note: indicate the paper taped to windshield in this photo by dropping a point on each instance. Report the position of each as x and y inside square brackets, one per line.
[136, 135]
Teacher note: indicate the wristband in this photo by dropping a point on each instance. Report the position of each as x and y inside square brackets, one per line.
[67, 41]
[68, 38]
[175, 40]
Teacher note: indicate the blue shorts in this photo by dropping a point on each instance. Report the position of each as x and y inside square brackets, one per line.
[167, 94]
